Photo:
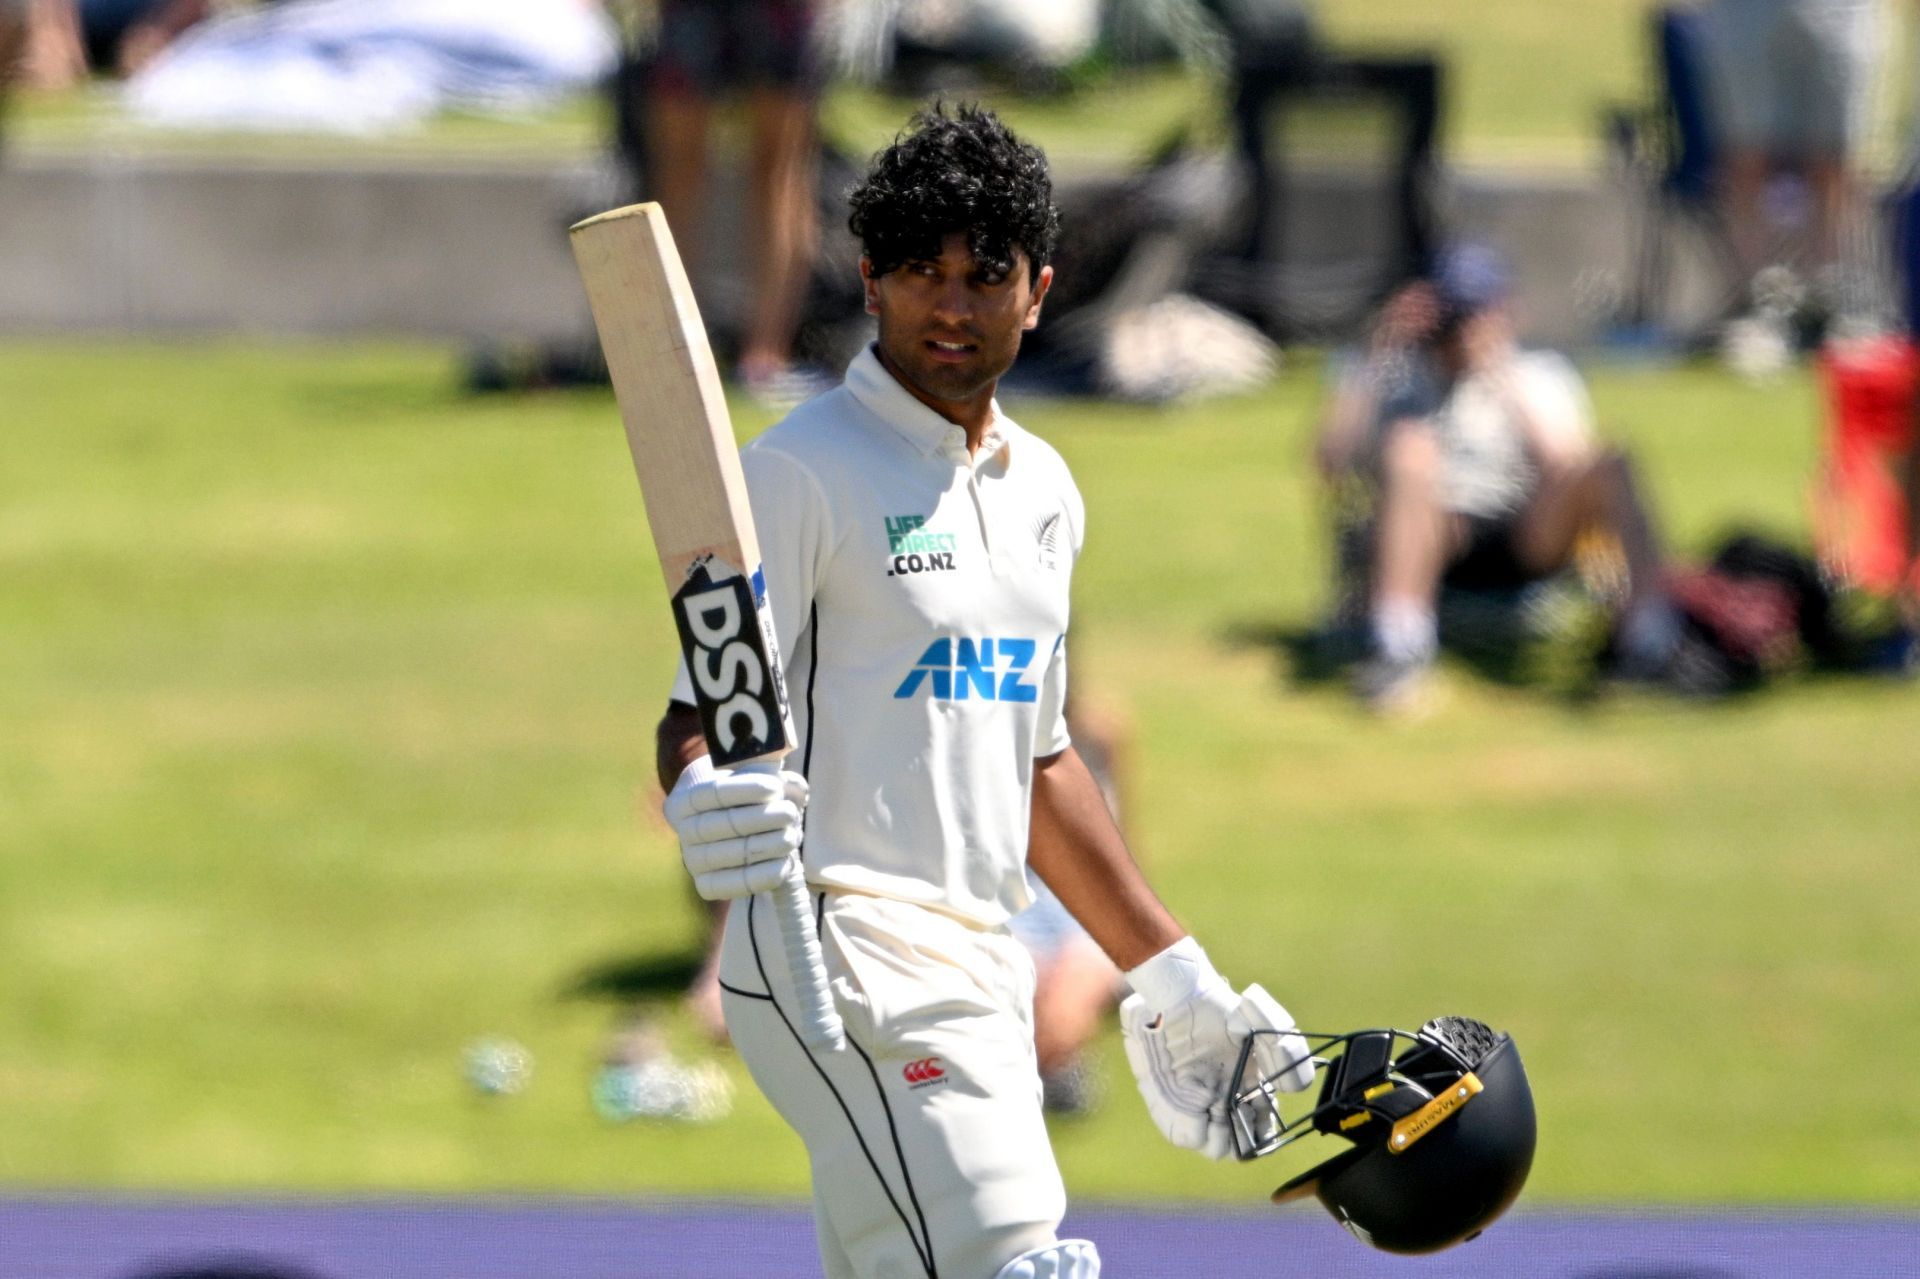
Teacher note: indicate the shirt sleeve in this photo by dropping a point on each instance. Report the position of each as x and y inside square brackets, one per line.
[1558, 399]
[1050, 734]
[791, 518]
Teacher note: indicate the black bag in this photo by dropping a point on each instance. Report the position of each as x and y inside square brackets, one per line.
[1757, 609]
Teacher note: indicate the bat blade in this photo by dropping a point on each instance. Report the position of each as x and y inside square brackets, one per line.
[685, 456]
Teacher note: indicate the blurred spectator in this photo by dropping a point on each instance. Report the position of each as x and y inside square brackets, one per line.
[1075, 984]
[1792, 81]
[940, 46]
[763, 51]
[1909, 596]
[13, 45]
[53, 56]
[70, 39]
[126, 35]
[1483, 470]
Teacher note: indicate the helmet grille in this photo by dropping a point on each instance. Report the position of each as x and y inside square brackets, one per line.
[1469, 1039]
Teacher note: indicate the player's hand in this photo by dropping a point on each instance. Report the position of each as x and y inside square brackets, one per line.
[1184, 1027]
[738, 828]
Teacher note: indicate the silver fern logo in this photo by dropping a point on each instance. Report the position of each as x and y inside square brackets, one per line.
[1046, 533]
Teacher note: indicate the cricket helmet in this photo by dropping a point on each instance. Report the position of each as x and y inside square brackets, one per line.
[1440, 1124]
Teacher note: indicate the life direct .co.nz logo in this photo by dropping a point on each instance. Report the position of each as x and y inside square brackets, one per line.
[915, 548]
[987, 670]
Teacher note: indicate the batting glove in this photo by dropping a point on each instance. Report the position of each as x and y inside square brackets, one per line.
[1183, 1029]
[739, 829]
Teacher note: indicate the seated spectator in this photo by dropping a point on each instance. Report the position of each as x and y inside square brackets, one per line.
[1483, 470]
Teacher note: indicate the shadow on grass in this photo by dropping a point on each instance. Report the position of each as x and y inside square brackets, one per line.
[1493, 643]
[1311, 656]
[625, 980]
[1304, 656]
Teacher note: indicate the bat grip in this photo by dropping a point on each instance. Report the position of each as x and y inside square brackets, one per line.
[818, 1021]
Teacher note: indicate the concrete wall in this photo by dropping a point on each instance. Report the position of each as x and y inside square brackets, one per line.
[114, 243]
[152, 245]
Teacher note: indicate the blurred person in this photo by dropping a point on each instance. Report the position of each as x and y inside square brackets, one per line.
[71, 39]
[127, 35]
[13, 47]
[762, 51]
[1075, 984]
[1908, 598]
[1484, 473]
[919, 552]
[52, 56]
[1792, 82]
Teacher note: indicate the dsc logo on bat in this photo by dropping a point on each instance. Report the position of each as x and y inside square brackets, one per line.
[735, 672]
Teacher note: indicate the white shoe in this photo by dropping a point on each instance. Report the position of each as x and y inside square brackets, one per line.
[1394, 689]
[1757, 346]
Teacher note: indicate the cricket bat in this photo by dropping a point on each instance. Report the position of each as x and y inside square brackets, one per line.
[670, 398]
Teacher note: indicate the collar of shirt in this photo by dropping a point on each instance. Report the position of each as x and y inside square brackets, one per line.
[893, 404]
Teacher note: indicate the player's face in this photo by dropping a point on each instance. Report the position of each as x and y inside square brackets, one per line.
[951, 325]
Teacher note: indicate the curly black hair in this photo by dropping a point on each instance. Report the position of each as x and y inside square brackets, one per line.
[962, 171]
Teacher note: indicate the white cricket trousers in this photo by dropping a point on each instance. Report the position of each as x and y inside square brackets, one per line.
[929, 1150]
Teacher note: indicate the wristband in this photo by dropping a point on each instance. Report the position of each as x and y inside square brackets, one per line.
[699, 769]
[1173, 976]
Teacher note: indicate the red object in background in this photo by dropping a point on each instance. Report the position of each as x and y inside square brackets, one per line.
[1860, 517]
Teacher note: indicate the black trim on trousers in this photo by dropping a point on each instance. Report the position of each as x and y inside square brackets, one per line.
[923, 1251]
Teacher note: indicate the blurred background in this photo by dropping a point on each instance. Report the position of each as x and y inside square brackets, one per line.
[339, 932]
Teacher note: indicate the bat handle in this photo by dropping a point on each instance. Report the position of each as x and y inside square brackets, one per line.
[819, 1022]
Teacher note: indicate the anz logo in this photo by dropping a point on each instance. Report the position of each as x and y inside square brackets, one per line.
[987, 670]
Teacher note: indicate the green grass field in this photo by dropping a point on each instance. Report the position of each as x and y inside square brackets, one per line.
[327, 699]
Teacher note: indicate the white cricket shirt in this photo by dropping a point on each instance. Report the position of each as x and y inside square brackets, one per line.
[920, 599]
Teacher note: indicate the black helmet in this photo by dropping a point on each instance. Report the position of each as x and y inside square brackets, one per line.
[1441, 1122]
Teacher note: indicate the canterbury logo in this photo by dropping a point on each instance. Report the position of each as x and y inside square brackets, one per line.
[927, 1070]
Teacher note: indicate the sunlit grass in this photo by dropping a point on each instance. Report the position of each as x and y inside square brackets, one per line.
[327, 698]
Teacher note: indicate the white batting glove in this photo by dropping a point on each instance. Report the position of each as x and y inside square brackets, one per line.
[738, 829]
[1183, 1029]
